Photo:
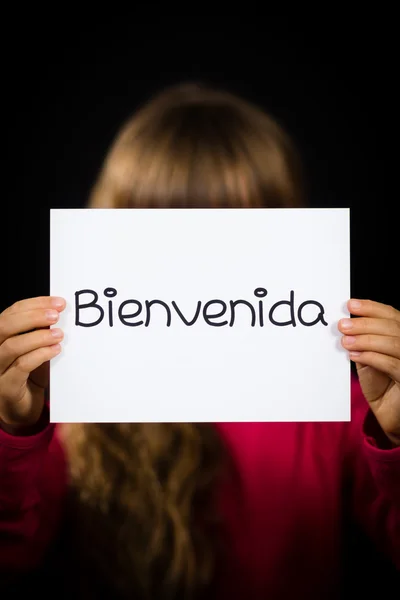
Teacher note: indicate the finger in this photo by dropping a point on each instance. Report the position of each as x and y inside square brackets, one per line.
[16, 346]
[34, 303]
[386, 364]
[18, 373]
[368, 308]
[365, 325]
[383, 344]
[22, 322]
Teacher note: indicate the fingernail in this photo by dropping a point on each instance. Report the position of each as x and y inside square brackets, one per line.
[57, 302]
[348, 340]
[56, 333]
[354, 354]
[52, 315]
[346, 323]
[355, 304]
[56, 348]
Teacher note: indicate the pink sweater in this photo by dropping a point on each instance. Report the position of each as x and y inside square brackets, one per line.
[284, 511]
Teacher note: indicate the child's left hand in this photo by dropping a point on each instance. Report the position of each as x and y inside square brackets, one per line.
[373, 342]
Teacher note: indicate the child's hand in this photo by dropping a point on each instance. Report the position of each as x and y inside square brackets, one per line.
[26, 346]
[373, 341]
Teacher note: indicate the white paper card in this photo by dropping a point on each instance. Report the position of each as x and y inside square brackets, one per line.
[163, 337]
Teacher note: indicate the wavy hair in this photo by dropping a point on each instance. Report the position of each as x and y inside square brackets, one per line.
[146, 492]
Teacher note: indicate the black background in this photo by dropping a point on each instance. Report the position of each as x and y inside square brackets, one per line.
[68, 86]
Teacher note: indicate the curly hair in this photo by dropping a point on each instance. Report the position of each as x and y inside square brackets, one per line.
[144, 493]
[142, 506]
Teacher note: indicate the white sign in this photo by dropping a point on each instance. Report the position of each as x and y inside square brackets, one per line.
[200, 315]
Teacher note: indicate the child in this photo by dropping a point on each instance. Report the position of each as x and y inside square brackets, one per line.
[184, 511]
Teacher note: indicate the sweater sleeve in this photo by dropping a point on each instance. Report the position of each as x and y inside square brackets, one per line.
[374, 478]
[32, 481]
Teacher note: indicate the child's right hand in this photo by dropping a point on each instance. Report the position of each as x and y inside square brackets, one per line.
[26, 347]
